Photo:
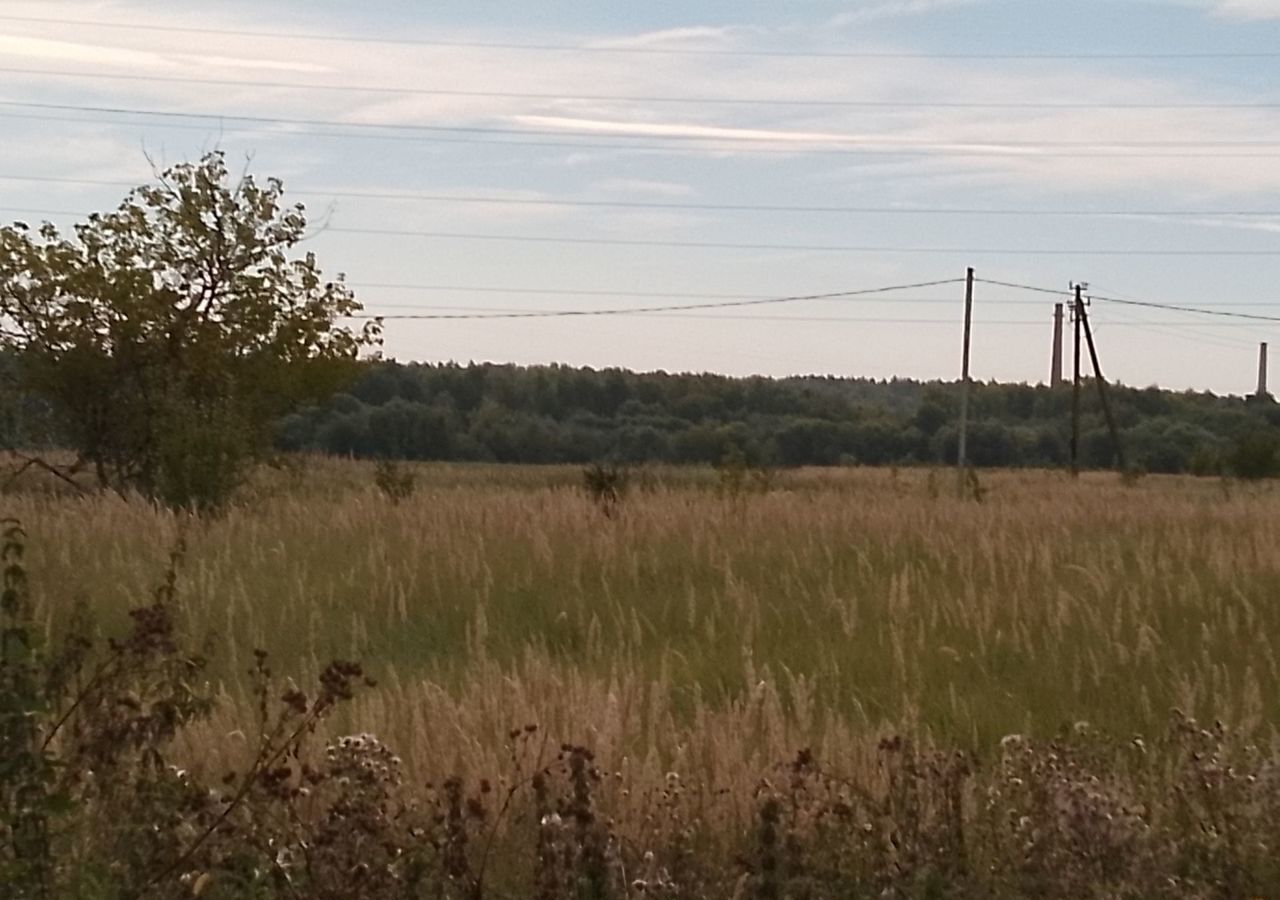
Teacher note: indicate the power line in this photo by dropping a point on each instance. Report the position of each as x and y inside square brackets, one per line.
[730, 245]
[687, 147]
[595, 292]
[701, 207]
[723, 304]
[375, 312]
[631, 49]
[840, 103]
[1189, 309]
[817, 248]
[1161, 328]
[733, 135]
[731, 317]
[896, 301]
[567, 292]
[1146, 303]
[1025, 287]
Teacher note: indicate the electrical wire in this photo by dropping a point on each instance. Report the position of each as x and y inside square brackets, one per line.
[595, 292]
[836, 103]
[1162, 328]
[698, 207]
[631, 49]
[721, 304]
[816, 248]
[1188, 309]
[730, 245]
[897, 301]
[375, 311]
[797, 138]
[670, 149]
[1142, 303]
[731, 317]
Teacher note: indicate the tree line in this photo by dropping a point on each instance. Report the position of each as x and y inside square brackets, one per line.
[176, 341]
[562, 414]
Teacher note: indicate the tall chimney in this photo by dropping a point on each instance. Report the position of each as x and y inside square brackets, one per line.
[1262, 371]
[1055, 367]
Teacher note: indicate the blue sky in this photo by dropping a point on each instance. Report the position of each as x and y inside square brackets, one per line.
[928, 134]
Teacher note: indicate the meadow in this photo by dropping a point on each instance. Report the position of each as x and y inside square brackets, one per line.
[839, 602]
[708, 635]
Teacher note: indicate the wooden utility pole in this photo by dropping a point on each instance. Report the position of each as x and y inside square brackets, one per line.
[1102, 389]
[962, 457]
[1077, 315]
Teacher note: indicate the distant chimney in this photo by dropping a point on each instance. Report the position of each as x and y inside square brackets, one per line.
[1262, 371]
[1055, 367]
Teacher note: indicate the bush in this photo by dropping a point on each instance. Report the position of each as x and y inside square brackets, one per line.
[1255, 455]
[1205, 461]
[606, 485]
[396, 482]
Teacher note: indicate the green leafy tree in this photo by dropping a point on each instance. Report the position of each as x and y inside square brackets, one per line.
[1255, 455]
[170, 335]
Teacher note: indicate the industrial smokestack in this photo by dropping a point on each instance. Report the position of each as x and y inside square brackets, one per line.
[1055, 367]
[1262, 371]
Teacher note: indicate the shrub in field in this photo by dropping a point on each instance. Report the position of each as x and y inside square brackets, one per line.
[1131, 474]
[606, 485]
[737, 477]
[396, 482]
[971, 486]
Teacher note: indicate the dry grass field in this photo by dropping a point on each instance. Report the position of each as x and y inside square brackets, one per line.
[709, 633]
[852, 683]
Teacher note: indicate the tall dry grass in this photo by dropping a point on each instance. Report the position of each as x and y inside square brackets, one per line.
[709, 635]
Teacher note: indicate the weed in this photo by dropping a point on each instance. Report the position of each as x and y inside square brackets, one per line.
[397, 482]
[971, 486]
[606, 484]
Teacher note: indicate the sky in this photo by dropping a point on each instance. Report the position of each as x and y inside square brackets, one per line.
[571, 156]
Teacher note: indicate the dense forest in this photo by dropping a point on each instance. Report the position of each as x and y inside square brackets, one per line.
[550, 414]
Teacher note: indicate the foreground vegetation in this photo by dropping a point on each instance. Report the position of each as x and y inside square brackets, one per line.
[823, 684]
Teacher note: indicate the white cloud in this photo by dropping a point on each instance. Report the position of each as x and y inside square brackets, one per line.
[1015, 143]
[266, 65]
[70, 51]
[682, 130]
[891, 9]
[1246, 9]
[702, 36]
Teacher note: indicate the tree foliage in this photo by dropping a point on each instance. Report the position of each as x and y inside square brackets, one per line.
[169, 335]
[570, 415]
